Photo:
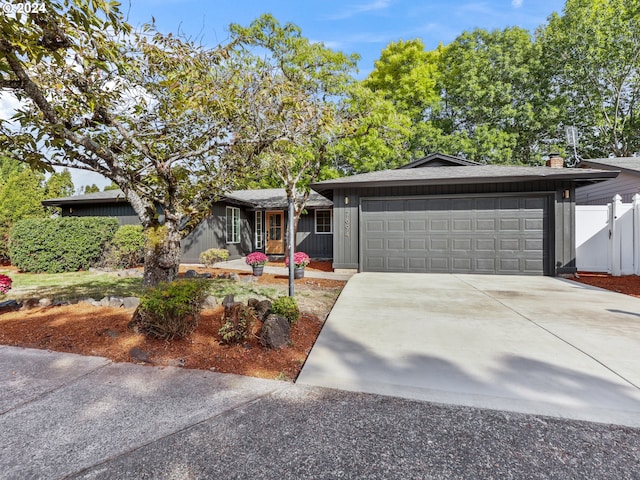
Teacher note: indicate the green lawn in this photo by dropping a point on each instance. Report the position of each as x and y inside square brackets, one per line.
[96, 285]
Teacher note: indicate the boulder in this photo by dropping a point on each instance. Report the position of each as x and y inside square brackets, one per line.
[45, 302]
[130, 302]
[275, 332]
[210, 302]
[190, 274]
[9, 306]
[263, 309]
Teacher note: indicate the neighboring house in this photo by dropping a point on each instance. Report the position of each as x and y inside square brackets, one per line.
[627, 184]
[443, 214]
[241, 222]
[439, 214]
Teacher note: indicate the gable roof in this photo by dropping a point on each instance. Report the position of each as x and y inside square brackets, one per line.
[439, 160]
[630, 164]
[470, 175]
[258, 199]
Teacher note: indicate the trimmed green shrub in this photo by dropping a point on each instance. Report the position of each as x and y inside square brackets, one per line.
[55, 245]
[170, 310]
[213, 255]
[287, 307]
[126, 249]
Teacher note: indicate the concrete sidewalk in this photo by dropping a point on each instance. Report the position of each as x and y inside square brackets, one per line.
[536, 345]
[67, 416]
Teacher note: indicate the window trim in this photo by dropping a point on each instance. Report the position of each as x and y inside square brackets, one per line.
[315, 223]
[235, 225]
[259, 230]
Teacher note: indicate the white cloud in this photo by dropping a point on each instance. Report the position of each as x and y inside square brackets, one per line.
[352, 10]
[516, 3]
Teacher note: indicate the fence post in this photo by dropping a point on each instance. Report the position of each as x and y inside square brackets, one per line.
[636, 234]
[613, 235]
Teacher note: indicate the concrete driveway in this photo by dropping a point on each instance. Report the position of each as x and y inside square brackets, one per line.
[536, 345]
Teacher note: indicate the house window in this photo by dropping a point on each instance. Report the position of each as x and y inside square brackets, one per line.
[324, 221]
[259, 231]
[233, 225]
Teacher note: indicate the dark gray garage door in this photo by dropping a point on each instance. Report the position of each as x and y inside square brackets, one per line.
[504, 235]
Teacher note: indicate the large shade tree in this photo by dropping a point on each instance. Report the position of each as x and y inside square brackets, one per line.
[592, 57]
[173, 124]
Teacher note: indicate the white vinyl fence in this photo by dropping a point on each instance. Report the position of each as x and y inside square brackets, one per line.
[608, 237]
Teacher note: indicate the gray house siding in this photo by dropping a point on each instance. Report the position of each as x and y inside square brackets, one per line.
[307, 241]
[211, 233]
[626, 185]
[559, 242]
[122, 211]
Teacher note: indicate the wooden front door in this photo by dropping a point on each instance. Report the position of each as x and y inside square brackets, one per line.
[275, 233]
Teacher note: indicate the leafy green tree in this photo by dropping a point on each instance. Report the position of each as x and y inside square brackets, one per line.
[111, 186]
[592, 56]
[407, 75]
[59, 185]
[93, 188]
[313, 81]
[20, 197]
[173, 124]
[491, 106]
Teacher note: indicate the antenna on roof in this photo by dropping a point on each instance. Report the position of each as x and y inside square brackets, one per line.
[572, 140]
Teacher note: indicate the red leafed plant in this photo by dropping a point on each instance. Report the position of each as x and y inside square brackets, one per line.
[5, 284]
[300, 260]
[256, 259]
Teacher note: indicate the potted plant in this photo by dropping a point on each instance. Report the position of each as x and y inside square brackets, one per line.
[257, 260]
[300, 260]
[5, 284]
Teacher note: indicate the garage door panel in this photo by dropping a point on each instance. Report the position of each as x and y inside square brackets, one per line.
[395, 244]
[418, 244]
[438, 244]
[462, 225]
[481, 235]
[439, 225]
[464, 244]
[439, 264]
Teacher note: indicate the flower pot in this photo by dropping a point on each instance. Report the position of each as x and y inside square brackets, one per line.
[258, 270]
[298, 272]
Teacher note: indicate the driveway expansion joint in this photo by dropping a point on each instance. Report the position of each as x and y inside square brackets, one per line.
[533, 322]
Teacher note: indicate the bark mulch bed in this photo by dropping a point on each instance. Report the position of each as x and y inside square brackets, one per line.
[88, 330]
[627, 284]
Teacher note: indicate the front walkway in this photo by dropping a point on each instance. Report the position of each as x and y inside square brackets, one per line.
[240, 264]
[527, 344]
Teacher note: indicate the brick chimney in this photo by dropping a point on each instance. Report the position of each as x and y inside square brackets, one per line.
[555, 161]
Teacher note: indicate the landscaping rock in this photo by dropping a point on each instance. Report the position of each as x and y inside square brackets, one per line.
[190, 274]
[228, 300]
[140, 355]
[224, 275]
[115, 302]
[262, 308]
[275, 332]
[104, 302]
[205, 275]
[235, 277]
[130, 302]
[248, 279]
[29, 303]
[45, 302]
[210, 302]
[90, 301]
[9, 306]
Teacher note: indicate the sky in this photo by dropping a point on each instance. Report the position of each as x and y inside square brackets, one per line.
[364, 27]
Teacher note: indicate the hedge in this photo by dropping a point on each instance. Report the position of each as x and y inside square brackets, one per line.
[54, 245]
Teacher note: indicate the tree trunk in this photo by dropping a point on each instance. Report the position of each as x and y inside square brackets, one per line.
[161, 254]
